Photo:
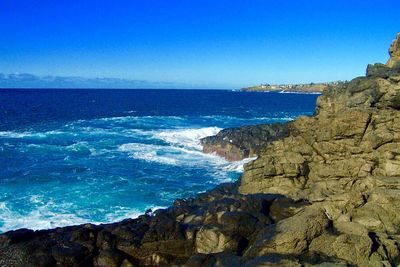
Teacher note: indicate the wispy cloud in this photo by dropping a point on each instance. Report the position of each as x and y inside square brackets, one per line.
[26, 80]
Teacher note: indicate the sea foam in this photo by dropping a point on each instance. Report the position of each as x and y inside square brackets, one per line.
[69, 162]
[189, 138]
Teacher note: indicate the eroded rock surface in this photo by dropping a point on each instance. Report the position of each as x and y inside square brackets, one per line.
[394, 52]
[243, 142]
[326, 193]
[346, 162]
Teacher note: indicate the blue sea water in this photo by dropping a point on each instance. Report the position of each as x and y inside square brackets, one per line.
[77, 156]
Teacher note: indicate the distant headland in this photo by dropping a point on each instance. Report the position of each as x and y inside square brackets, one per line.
[301, 88]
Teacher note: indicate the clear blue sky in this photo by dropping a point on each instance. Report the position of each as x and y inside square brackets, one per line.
[203, 43]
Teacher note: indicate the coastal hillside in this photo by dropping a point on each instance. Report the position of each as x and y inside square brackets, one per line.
[300, 88]
[324, 191]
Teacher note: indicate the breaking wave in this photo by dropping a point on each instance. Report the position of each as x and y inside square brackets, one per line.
[102, 170]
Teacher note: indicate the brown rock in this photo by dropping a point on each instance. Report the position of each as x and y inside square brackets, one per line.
[213, 240]
[394, 52]
[290, 236]
[108, 258]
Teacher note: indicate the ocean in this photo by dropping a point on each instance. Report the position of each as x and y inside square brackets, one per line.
[77, 156]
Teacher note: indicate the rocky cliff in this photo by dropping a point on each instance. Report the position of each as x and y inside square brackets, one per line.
[327, 193]
[345, 161]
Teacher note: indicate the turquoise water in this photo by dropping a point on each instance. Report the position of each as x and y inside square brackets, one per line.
[77, 156]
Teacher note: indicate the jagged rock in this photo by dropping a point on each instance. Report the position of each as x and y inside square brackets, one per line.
[16, 236]
[394, 52]
[213, 240]
[127, 263]
[382, 71]
[273, 260]
[108, 258]
[243, 142]
[214, 260]
[290, 236]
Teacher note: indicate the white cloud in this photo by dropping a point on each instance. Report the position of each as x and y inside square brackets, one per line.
[26, 80]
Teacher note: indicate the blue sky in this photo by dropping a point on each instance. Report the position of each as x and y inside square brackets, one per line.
[196, 44]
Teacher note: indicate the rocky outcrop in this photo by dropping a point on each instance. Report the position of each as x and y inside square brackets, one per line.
[346, 162]
[325, 194]
[243, 142]
[392, 67]
[394, 52]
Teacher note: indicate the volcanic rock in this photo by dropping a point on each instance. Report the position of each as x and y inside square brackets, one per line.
[242, 142]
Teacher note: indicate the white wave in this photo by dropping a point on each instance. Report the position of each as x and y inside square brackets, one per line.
[122, 213]
[118, 118]
[184, 149]
[11, 134]
[78, 146]
[170, 155]
[238, 165]
[85, 148]
[36, 199]
[289, 118]
[184, 146]
[147, 152]
[89, 130]
[299, 93]
[135, 118]
[43, 217]
[189, 138]
[252, 119]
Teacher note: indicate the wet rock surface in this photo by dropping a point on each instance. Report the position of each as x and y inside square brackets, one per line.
[243, 142]
[326, 193]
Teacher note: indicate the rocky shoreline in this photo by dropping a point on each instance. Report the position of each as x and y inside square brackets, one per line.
[243, 142]
[324, 191]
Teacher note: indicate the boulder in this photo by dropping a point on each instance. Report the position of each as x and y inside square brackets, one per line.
[214, 240]
[108, 258]
[291, 236]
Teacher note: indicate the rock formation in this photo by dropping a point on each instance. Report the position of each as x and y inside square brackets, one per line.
[243, 142]
[394, 52]
[327, 193]
[346, 162]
